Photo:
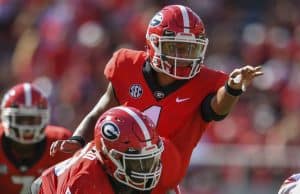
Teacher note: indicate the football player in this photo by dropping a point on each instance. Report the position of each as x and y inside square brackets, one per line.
[25, 137]
[125, 157]
[291, 185]
[168, 82]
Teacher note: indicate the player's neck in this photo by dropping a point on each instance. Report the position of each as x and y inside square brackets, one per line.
[163, 79]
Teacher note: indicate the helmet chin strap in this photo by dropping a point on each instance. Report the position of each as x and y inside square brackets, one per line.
[196, 68]
[164, 61]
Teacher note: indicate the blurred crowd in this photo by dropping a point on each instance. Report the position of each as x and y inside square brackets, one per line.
[62, 46]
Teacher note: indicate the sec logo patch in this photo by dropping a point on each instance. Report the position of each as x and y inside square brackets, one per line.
[135, 91]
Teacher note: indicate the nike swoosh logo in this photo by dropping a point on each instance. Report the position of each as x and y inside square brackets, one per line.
[179, 100]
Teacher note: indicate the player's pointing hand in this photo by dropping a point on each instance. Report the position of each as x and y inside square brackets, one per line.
[241, 78]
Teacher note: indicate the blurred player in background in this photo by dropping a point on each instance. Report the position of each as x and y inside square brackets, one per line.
[25, 137]
[170, 83]
[291, 185]
[125, 157]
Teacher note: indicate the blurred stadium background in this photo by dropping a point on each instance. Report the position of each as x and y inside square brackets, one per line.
[62, 46]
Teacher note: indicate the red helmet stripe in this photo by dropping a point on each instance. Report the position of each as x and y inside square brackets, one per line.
[186, 20]
[28, 95]
[140, 123]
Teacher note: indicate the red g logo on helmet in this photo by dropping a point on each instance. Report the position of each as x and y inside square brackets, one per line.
[156, 20]
[129, 147]
[110, 131]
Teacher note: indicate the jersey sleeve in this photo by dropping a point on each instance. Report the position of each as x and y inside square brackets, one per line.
[76, 185]
[219, 79]
[122, 61]
[83, 184]
[213, 79]
[115, 66]
[48, 182]
[171, 173]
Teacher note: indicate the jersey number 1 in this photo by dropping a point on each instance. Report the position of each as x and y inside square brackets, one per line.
[153, 112]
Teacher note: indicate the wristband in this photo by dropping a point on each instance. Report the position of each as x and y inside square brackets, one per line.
[231, 91]
[79, 139]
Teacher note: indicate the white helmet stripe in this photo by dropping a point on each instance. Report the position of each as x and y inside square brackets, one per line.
[186, 20]
[140, 123]
[28, 97]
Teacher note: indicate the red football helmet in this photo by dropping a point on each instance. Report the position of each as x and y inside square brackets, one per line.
[129, 147]
[24, 114]
[176, 42]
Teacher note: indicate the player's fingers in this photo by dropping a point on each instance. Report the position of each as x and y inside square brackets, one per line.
[247, 70]
[251, 69]
[258, 68]
[251, 72]
[70, 146]
[251, 75]
[258, 73]
[244, 71]
[235, 73]
[247, 67]
[54, 147]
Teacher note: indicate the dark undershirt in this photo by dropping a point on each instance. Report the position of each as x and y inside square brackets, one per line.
[16, 159]
[159, 92]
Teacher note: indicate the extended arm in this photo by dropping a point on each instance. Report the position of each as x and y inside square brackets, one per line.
[85, 129]
[226, 98]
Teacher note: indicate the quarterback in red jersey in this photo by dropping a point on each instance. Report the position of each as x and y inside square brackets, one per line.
[125, 157]
[25, 137]
[170, 83]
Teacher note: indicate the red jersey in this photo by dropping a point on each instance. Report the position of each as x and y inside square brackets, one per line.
[80, 174]
[17, 178]
[83, 173]
[177, 114]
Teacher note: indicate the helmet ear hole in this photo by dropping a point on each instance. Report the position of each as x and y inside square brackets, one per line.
[154, 41]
